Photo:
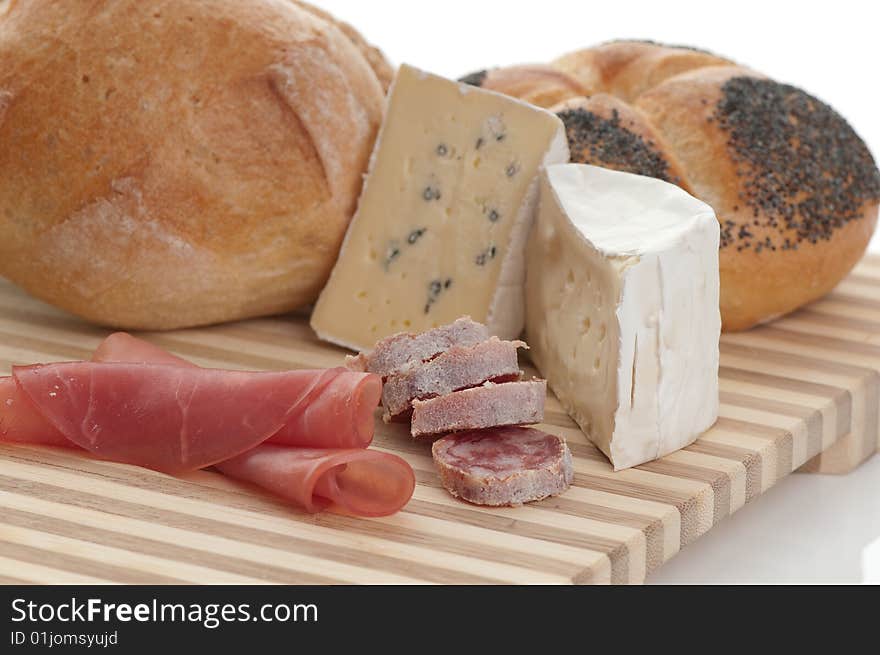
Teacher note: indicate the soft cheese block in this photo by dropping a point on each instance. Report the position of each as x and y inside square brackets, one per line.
[442, 222]
[623, 308]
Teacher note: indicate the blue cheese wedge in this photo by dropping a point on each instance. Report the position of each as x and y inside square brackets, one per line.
[442, 222]
[622, 308]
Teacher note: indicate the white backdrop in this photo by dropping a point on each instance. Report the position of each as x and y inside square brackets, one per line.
[827, 48]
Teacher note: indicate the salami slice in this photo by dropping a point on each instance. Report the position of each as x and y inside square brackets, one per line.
[503, 466]
[486, 406]
[393, 353]
[460, 367]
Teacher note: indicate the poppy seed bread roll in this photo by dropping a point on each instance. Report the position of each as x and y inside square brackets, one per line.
[543, 86]
[795, 189]
[171, 164]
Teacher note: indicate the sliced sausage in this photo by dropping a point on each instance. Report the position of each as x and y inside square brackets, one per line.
[486, 406]
[460, 367]
[503, 466]
[395, 352]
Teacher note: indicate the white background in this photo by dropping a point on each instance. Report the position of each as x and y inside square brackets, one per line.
[809, 528]
[827, 48]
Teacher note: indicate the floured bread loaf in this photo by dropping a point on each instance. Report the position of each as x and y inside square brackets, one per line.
[179, 163]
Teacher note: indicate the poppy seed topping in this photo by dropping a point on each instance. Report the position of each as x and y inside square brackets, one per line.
[607, 142]
[804, 172]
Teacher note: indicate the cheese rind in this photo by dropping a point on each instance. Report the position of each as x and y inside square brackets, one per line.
[622, 309]
[444, 215]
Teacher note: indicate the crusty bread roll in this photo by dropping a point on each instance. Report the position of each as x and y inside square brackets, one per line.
[383, 70]
[626, 69]
[543, 86]
[180, 163]
[795, 189]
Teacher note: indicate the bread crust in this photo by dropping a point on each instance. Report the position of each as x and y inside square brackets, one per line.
[540, 85]
[381, 67]
[178, 163]
[626, 69]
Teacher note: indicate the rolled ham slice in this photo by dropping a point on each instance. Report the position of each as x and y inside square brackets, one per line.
[354, 481]
[22, 422]
[318, 425]
[341, 476]
[175, 418]
[138, 404]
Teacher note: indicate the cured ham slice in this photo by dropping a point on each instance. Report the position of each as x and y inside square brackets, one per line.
[122, 347]
[355, 481]
[172, 418]
[342, 475]
[22, 422]
[138, 404]
[339, 413]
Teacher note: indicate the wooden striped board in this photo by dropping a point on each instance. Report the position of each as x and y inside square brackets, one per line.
[800, 393]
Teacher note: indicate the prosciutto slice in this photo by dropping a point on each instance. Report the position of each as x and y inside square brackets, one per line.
[355, 481]
[323, 422]
[122, 347]
[22, 422]
[172, 418]
[138, 404]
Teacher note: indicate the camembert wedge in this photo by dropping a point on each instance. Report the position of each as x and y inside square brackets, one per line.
[622, 308]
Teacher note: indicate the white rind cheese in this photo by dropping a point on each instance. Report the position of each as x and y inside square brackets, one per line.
[622, 299]
[443, 219]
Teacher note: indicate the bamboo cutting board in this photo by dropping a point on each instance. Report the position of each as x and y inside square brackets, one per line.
[807, 384]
